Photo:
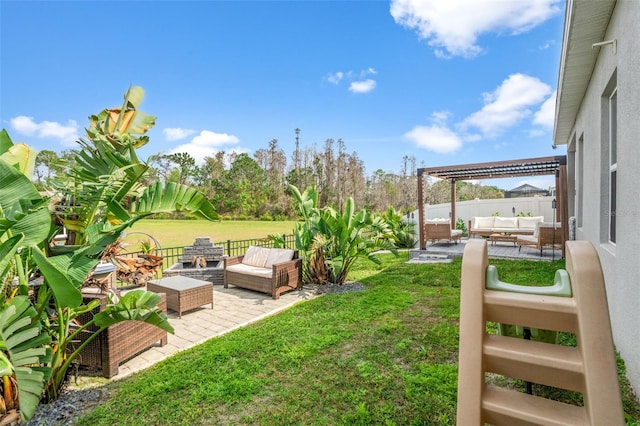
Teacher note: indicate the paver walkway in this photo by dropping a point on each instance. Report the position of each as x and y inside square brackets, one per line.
[232, 308]
[503, 250]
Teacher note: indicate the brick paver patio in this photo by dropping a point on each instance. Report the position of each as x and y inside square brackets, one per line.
[232, 308]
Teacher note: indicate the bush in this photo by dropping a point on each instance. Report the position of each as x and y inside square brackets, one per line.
[266, 218]
[462, 226]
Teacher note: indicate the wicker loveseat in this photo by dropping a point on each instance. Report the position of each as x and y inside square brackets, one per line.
[496, 225]
[268, 270]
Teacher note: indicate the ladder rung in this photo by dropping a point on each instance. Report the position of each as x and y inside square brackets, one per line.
[504, 406]
[538, 362]
[531, 310]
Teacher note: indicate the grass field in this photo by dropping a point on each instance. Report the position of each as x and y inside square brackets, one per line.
[384, 356]
[180, 233]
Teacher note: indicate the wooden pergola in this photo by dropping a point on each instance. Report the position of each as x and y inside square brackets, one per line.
[556, 165]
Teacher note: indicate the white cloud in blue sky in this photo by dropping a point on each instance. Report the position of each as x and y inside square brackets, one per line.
[452, 28]
[545, 115]
[364, 86]
[176, 133]
[27, 126]
[508, 104]
[505, 107]
[358, 81]
[206, 144]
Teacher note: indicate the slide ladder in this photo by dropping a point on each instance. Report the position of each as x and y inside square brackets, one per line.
[576, 303]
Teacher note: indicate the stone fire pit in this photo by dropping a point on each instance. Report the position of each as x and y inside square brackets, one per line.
[201, 261]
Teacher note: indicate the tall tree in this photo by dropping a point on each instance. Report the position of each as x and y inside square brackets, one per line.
[47, 165]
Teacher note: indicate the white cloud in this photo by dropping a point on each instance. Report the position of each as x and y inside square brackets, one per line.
[335, 77]
[361, 85]
[67, 135]
[206, 144]
[508, 104]
[176, 133]
[453, 27]
[546, 114]
[364, 86]
[437, 137]
[503, 108]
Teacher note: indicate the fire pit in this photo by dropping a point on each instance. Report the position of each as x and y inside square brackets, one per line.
[201, 261]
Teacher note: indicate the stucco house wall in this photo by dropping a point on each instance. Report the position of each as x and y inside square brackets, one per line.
[588, 154]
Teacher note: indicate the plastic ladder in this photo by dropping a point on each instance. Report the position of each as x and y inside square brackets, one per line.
[589, 368]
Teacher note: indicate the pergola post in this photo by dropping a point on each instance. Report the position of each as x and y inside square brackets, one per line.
[423, 244]
[452, 219]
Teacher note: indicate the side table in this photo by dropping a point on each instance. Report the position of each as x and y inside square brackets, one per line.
[183, 293]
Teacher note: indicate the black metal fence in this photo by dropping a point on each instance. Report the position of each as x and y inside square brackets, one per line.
[172, 255]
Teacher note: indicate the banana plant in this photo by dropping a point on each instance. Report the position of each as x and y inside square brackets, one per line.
[331, 242]
[24, 354]
[25, 227]
[106, 177]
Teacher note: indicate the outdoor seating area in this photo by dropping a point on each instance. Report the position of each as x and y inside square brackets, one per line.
[114, 355]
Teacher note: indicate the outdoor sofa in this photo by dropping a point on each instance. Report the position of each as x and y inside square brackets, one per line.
[486, 226]
[440, 230]
[268, 270]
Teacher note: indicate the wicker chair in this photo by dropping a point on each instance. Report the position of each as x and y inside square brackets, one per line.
[440, 230]
[547, 235]
[119, 342]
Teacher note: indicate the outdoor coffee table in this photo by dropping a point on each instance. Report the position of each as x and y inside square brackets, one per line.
[504, 238]
[183, 293]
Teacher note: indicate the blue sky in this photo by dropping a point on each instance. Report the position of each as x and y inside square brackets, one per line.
[449, 82]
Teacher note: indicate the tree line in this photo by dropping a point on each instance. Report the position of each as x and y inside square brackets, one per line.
[241, 186]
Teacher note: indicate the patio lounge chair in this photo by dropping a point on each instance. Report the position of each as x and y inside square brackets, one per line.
[547, 235]
[440, 230]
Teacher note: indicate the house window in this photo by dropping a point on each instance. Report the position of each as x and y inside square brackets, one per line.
[580, 182]
[613, 162]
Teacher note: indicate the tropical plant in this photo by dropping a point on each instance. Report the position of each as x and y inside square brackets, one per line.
[104, 183]
[331, 242]
[462, 227]
[100, 197]
[403, 231]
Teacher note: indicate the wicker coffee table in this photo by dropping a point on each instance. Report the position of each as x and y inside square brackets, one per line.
[183, 293]
[511, 238]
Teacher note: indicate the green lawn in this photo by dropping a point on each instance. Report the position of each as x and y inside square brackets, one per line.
[180, 233]
[387, 355]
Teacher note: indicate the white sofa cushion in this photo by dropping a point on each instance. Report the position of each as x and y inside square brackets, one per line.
[505, 222]
[256, 256]
[256, 271]
[278, 256]
[529, 222]
[483, 222]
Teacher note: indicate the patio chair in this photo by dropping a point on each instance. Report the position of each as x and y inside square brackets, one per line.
[440, 230]
[547, 235]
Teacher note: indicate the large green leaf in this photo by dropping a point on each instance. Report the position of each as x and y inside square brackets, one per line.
[157, 198]
[7, 249]
[65, 293]
[25, 344]
[138, 305]
[18, 200]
